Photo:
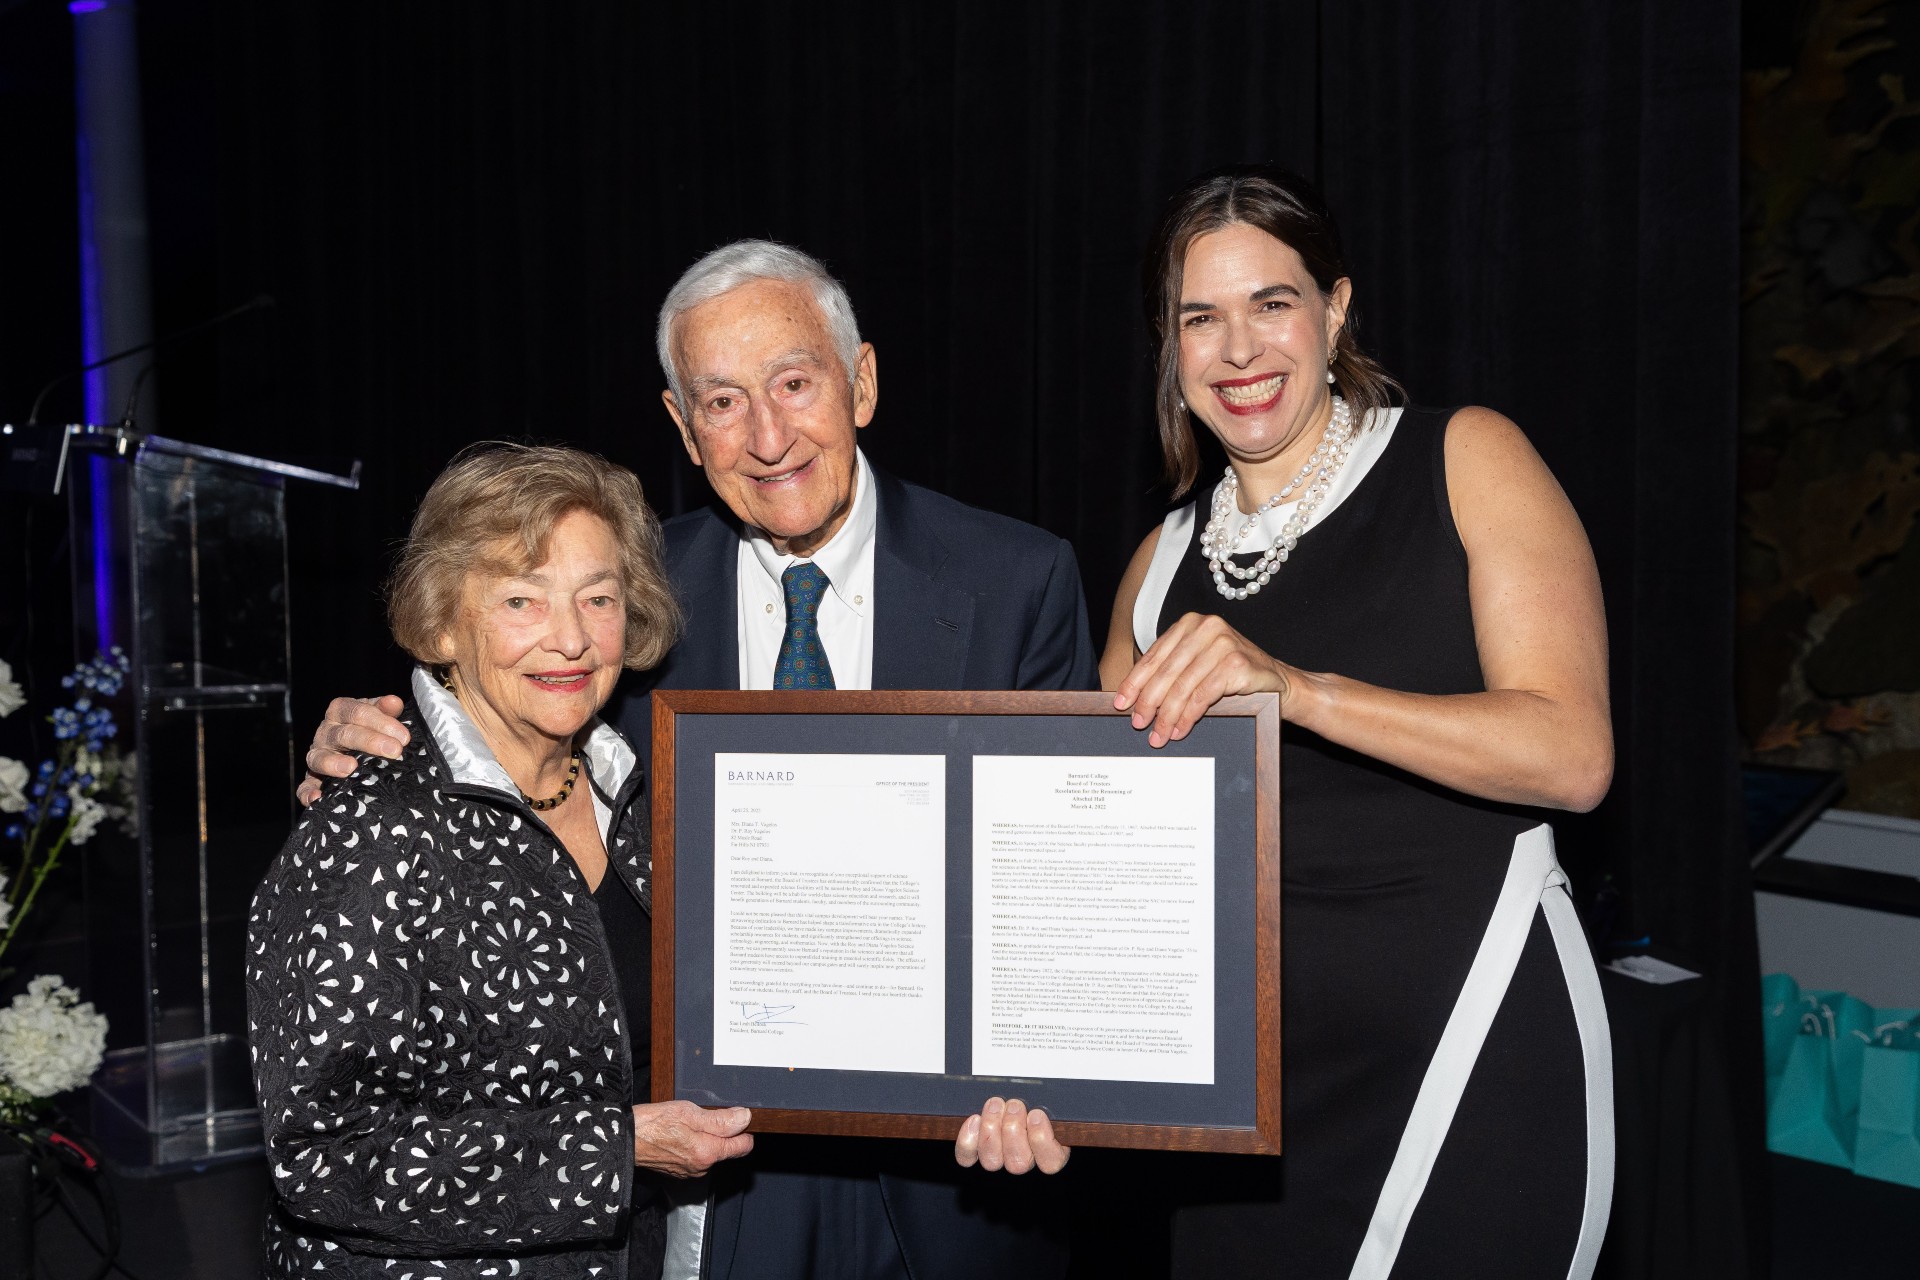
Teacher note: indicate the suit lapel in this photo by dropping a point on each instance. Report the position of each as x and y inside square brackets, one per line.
[921, 626]
[706, 576]
[709, 652]
[702, 565]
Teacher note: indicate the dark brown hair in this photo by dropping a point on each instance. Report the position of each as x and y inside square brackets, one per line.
[493, 511]
[1286, 207]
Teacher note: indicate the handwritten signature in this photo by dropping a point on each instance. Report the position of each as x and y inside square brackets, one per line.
[768, 1015]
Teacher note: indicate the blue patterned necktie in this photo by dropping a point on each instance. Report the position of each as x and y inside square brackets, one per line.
[803, 659]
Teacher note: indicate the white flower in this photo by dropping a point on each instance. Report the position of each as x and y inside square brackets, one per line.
[11, 699]
[13, 785]
[88, 763]
[50, 1041]
[87, 813]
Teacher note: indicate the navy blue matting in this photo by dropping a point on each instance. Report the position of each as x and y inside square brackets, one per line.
[1227, 1103]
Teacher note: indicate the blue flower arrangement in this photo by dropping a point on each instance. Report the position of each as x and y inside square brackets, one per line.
[56, 805]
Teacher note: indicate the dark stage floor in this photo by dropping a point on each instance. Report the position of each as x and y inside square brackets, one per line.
[206, 1226]
[184, 1226]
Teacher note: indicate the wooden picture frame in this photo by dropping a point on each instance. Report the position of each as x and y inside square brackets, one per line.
[1254, 1130]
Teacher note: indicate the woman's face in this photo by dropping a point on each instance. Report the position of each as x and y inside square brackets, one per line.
[1255, 336]
[539, 653]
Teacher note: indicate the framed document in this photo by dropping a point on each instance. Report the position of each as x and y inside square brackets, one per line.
[872, 911]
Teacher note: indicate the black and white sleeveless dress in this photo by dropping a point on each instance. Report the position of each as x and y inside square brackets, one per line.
[1447, 1082]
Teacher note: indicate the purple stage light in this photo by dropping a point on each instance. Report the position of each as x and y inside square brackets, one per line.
[93, 345]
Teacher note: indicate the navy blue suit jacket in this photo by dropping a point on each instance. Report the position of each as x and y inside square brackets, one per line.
[963, 599]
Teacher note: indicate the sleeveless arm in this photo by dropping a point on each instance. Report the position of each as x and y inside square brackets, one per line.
[1539, 735]
[1542, 732]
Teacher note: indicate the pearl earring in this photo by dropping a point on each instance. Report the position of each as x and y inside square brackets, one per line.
[1330, 378]
[1183, 403]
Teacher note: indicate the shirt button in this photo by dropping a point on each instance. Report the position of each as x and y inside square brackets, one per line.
[769, 608]
[859, 599]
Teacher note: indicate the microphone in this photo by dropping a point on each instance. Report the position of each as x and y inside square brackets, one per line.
[260, 302]
[133, 396]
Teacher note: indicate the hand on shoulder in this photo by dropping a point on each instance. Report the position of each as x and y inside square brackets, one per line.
[367, 726]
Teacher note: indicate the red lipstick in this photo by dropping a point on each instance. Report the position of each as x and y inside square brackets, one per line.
[568, 681]
[1247, 410]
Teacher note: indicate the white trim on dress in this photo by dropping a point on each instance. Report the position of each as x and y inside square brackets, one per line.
[1534, 880]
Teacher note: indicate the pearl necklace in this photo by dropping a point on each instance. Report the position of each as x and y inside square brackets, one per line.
[1317, 474]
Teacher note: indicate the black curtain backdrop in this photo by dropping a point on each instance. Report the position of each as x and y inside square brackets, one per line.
[468, 217]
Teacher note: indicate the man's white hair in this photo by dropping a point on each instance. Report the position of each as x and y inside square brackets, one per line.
[743, 262]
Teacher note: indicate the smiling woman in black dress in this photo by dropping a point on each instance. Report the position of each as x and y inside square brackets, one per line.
[1416, 587]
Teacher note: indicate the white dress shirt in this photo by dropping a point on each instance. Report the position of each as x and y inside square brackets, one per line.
[846, 610]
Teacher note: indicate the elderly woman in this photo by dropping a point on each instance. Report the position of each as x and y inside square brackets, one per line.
[448, 967]
[1417, 589]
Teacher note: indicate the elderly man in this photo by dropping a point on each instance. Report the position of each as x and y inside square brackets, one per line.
[826, 573]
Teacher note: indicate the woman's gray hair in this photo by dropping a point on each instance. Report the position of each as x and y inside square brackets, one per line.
[742, 262]
[494, 510]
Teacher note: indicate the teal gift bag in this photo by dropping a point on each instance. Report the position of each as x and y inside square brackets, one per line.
[1804, 1116]
[1849, 1024]
[1887, 1143]
[1813, 1104]
[1779, 1023]
[1843, 1081]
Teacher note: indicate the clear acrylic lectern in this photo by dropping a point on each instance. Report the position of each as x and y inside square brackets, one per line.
[180, 557]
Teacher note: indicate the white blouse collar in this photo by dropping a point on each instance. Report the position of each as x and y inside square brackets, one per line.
[608, 757]
[1368, 444]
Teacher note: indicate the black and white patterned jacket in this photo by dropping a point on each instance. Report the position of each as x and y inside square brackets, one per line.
[438, 1040]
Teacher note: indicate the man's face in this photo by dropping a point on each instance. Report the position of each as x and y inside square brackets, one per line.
[770, 413]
